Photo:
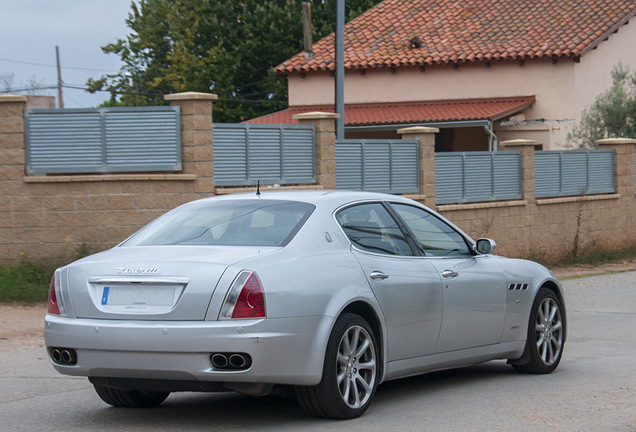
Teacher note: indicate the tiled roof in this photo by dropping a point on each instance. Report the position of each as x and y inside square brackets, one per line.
[410, 112]
[399, 33]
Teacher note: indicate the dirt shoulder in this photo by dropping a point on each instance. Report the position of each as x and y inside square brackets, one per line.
[22, 325]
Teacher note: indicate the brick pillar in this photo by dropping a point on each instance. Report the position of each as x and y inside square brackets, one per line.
[197, 154]
[325, 130]
[426, 137]
[12, 140]
[526, 147]
[12, 165]
[623, 163]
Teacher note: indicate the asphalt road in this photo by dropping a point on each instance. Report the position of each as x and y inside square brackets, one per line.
[594, 388]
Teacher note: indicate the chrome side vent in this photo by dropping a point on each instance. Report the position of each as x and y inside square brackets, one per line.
[517, 287]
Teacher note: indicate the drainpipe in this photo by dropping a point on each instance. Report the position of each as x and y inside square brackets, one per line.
[492, 138]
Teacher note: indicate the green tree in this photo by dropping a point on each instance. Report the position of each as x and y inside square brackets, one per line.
[613, 113]
[227, 48]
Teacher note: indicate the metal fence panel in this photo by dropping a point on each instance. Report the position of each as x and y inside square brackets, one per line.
[145, 139]
[477, 176]
[102, 140]
[63, 142]
[573, 172]
[277, 154]
[390, 166]
[507, 176]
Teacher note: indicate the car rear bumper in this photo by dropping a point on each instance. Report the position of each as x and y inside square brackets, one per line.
[181, 350]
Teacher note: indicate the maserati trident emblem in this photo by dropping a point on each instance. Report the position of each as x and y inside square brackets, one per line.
[137, 270]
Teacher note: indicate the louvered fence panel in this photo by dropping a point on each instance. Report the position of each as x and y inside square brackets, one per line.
[477, 176]
[103, 140]
[390, 166]
[573, 172]
[245, 154]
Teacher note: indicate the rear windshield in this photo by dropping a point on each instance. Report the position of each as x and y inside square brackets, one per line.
[226, 223]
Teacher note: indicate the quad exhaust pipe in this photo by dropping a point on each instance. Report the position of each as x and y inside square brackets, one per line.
[63, 356]
[231, 361]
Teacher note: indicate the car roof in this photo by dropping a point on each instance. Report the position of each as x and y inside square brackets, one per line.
[317, 197]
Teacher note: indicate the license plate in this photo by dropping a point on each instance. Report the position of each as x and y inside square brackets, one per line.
[138, 296]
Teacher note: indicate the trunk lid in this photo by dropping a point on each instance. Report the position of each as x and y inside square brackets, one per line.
[150, 282]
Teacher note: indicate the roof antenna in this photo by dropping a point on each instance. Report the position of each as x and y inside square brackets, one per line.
[258, 188]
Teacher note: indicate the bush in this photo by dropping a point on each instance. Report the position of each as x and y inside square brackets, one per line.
[24, 283]
[613, 113]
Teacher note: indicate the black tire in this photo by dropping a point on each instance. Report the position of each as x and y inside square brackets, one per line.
[358, 368]
[130, 398]
[546, 335]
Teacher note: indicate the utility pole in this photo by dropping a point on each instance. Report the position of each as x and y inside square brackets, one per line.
[307, 32]
[339, 70]
[60, 101]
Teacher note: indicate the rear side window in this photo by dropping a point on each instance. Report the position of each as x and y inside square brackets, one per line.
[371, 228]
[226, 223]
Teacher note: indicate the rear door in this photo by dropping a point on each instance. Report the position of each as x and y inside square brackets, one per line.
[407, 287]
[474, 289]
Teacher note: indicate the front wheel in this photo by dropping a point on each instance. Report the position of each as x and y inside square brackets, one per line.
[546, 335]
[350, 372]
[130, 398]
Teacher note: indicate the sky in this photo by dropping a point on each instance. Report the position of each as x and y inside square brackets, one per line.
[30, 30]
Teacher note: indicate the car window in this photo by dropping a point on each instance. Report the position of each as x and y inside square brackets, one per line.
[226, 223]
[434, 236]
[371, 228]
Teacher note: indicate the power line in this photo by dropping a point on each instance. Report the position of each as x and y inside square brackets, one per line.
[55, 66]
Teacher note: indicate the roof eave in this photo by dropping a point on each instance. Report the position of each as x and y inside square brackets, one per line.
[594, 44]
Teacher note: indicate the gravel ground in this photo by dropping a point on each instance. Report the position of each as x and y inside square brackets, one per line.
[23, 325]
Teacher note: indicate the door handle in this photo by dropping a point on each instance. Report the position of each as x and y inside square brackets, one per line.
[449, 274]
[376, 275]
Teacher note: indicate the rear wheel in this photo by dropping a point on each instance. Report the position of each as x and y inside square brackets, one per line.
[350, 372]
[130, 398]
[546, 331]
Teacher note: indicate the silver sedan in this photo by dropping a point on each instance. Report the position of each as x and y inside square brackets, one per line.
[330, 293]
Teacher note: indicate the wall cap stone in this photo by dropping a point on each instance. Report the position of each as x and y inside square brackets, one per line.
[13, 98]
[265, 189]
[190, 96]
[484, 205]
[562, 200]
[103, 178]
[417, 130]
[316, 115]
[614, 141]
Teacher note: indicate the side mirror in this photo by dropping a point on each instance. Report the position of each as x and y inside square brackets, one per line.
[486, 246]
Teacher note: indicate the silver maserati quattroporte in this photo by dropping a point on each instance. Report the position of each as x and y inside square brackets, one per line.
[328, 293]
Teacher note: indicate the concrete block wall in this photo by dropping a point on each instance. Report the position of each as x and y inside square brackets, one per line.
[48, 218]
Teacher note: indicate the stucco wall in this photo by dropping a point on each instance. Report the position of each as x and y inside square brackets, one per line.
[550, 83]
[592, 76]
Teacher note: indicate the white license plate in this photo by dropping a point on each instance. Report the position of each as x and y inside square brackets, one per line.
[138, 296]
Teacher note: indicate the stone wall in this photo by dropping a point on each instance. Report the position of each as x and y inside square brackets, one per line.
[48, 218]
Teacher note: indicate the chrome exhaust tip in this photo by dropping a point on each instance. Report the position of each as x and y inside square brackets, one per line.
[56, 355]
[237, 361]
[219, 361]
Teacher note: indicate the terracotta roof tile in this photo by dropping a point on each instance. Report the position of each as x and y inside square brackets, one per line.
[410, 112]
[452, 32]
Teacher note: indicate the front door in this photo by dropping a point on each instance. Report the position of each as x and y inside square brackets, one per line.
[474, 290]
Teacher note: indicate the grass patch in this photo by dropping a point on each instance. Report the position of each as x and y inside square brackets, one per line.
[592, 257]
[24, 283]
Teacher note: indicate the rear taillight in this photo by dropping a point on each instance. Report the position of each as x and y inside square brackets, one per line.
[55, 306]
[245, 299]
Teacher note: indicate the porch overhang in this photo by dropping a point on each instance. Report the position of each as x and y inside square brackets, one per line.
[390, 115]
